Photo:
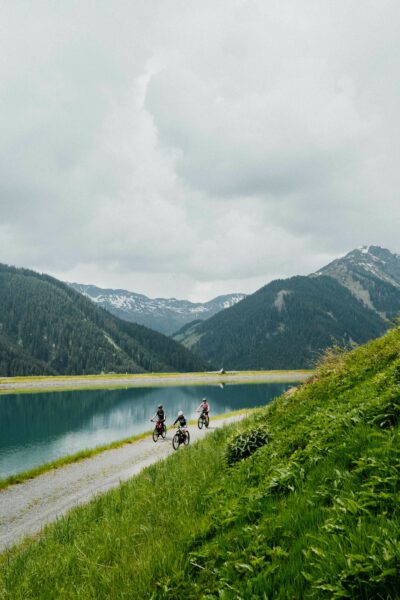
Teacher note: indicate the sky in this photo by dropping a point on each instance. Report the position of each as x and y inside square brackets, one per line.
[191, 149]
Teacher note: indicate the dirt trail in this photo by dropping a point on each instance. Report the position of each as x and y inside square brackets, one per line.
[25, 508]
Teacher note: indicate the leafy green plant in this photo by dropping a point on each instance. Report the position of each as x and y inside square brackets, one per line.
[387, 414]
[245, 444]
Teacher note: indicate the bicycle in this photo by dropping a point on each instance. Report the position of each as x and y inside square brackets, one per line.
[182, 436]
[160, 430]
[203, 419]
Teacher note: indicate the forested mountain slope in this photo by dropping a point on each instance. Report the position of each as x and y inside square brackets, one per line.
[46, 327]
[286, 324]
[300, 500]
[14, 360]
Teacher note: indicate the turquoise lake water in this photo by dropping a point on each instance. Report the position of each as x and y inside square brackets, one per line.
[38, 428]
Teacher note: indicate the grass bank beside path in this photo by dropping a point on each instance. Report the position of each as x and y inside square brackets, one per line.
[19, 385]
[300, 500]
[67, 460]
[90, 452]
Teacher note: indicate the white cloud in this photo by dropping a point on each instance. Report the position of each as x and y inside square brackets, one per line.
[192, 149]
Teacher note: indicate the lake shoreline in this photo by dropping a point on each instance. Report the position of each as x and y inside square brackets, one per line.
[36, 501]
[88, 453]
[64, 383]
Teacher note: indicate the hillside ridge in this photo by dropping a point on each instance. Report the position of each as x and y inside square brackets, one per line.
[46, 327]
[288, 323]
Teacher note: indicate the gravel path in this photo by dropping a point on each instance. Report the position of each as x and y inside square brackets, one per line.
[54, 383]
[25, 508]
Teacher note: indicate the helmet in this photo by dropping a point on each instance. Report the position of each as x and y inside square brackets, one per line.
[160, 406]
[204, 400]
[180, 413]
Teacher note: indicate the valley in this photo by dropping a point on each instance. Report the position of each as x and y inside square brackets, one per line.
[165, 315]
[199, 300]
[49, 328]
[262, 474]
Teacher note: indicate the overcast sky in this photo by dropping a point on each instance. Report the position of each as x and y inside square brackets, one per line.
[191, 148]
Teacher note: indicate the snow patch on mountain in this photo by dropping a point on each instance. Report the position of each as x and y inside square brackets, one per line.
[166, 315]
[372, 274]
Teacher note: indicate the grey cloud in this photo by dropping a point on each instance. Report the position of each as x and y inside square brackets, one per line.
[291, 135]
[197, 145]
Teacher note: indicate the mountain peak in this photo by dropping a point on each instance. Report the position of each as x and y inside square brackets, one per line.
[372, 274]
[375, 251]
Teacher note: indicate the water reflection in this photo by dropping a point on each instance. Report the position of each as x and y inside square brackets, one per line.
[39, 428]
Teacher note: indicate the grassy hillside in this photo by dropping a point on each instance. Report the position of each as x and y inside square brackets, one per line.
[47, 328]
[312, 513]
[284, 325]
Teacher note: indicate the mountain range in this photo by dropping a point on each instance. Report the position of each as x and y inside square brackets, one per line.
[47, 328]
[165, 315]
[289, 323]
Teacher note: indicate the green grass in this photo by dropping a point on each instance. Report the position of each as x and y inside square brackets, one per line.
[67, 460]
[312, 513]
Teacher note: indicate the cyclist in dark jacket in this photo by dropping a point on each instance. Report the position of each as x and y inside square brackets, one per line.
[159, 415]
[182, 420]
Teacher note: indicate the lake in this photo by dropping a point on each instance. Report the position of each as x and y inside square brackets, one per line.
[38, 428]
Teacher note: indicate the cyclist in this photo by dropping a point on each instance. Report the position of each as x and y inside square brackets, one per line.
[204, 408]
[182, 420]
[159, 416]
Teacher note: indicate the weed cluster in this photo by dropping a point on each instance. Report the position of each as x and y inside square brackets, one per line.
[245, 444]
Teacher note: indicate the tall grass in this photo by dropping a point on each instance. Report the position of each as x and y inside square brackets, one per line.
[311, 512]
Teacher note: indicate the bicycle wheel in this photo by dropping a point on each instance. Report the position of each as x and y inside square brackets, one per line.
[175, 441]
[155, 435]
[207, 421]
[164, 433]
[187, 438]
[200, 422]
